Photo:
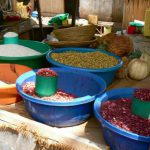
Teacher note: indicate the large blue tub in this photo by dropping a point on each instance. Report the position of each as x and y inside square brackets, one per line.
[107, 74]
[84, 85]
[117, 138]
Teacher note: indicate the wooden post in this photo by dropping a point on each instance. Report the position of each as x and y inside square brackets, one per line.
[14, 4]
[74, 11]
[37, 5]
[71, 7]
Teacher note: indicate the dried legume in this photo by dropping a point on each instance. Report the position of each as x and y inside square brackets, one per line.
[46, 72]
[85, 60]
[59, 96]
[142, 94]
[118, 112]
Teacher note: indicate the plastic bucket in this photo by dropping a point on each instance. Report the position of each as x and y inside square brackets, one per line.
[117, 138]
[107, 74]
[83, 85]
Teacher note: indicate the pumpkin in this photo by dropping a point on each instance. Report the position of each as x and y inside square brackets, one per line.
[138, 69]
[146, 57]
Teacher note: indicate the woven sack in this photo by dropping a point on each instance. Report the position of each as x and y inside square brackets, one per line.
[121, 45]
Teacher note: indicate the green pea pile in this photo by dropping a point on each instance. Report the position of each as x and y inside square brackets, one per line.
[93, 60]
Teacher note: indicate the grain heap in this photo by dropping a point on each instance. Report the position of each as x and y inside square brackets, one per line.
[2, 83]
[14, 50]
[10, 34]
[94, 60]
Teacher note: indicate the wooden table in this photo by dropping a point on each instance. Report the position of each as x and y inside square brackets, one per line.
[89, 130]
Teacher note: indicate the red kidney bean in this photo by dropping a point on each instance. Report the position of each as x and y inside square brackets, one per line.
[142, 94]
[118, 112]
[46, 72]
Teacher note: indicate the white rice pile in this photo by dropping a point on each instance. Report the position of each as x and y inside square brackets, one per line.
[14, 50]
[2, 83]
[10, 34]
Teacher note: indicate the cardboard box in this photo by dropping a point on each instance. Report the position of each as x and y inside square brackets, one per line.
[93, 19]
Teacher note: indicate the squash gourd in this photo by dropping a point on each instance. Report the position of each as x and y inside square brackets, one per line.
[138, 69]
[146, 57]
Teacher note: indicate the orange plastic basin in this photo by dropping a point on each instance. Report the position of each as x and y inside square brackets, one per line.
[8, 74]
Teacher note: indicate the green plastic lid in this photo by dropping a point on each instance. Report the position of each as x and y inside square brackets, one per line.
[136, 24]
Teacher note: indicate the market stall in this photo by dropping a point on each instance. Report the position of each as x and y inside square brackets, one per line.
[85, 86]
[88, 133]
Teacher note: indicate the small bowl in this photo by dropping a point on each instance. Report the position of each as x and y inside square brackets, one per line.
[9, 73]
[83, 85]
[117, 138]
[107, 74]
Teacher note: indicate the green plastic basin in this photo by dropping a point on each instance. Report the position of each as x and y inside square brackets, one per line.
[37, 61]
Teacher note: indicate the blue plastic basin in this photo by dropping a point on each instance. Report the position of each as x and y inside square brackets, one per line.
[117, 138]
[107, 74]
[84, 85]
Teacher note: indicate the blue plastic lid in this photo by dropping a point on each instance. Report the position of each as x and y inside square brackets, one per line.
[34, 14]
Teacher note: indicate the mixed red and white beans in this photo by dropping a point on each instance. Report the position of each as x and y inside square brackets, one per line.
[59, 96]
[46, 72]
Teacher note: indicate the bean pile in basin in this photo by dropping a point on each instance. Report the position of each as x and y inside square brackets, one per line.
[94, 60]
[118, 112]
[59, 96]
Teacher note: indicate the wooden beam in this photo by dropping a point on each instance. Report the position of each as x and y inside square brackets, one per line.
[72, 7]
[37, 6]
